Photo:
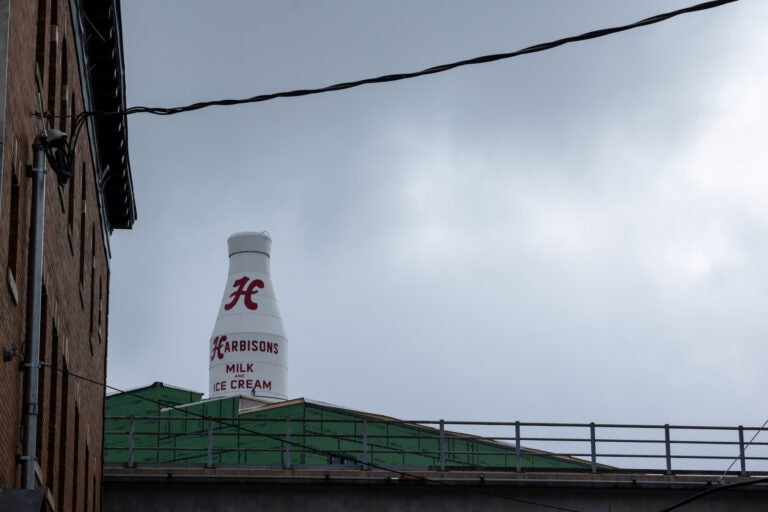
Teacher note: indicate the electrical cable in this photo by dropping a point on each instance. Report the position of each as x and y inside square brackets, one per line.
[429, 71]
[715, 489]
[722, 486]
[722, 477]
[78, 120]
[303, 446]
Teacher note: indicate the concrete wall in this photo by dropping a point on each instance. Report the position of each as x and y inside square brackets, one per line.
[289, 491]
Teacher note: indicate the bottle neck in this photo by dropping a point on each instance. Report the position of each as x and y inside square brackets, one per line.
[248, 262]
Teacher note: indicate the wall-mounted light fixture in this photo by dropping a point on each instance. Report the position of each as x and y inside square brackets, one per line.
[59, 153]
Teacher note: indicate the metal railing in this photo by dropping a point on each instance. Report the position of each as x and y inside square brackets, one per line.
[435, 445]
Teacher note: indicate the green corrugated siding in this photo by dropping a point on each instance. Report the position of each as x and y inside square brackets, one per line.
[141, 402]
[148, 401]
[319, 435]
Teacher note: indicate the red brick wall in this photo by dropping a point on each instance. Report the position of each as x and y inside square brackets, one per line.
[75, 270]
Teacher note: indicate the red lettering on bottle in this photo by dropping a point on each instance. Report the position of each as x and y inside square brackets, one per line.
[246, 293]
[218, 346]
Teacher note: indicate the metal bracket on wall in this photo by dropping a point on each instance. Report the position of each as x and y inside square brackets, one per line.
[9, 353]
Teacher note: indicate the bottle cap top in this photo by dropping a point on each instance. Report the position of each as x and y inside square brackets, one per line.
[249, 241]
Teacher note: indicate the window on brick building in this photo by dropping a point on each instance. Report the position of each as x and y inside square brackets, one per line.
[44, 374]
[42, 30]
[13, 234]
[93, 287]
[53, 61]
[86, 493]
[83, 196]
[63, 471]
[65, 109]
[76, 459]
[100, 313]
[54, 384]
[71, 206]
[104, 316]
[93, 490]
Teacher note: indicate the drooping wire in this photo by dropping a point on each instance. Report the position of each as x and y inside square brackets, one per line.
[303, 446]
[65, 170]
[715, 489]
[743, 451]
[720, 485]
[164, 111]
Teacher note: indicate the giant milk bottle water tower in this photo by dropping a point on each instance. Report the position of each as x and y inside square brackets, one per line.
[248, 344]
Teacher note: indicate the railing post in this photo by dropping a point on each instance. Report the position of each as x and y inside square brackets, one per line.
[131, 431]
[668, 448]
[593, 446]
[287, 461]
[209, 458]
[365, 444]
[518, 462]
[442, 445]
[741, 451]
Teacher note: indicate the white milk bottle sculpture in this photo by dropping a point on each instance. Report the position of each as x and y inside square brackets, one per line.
[248, 345]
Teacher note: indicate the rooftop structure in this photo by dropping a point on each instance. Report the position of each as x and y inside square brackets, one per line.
[168, 449]
[161, 425]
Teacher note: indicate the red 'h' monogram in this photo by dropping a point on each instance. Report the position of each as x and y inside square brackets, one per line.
[246, 293]
[217, 346]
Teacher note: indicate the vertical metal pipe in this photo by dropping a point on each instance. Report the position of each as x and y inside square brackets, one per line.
[518, 462]
[442, 445]
[742, 457]
[287, 461]
[209, 457]
[593, 446]
[668, 448]
[34, 306]
[131, 431]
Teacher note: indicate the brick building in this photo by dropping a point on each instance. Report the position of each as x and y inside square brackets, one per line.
[60, 57]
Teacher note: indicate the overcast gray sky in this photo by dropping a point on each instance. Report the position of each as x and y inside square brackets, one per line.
[574, 235]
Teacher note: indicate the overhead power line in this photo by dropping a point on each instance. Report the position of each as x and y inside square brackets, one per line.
[746, 447]
[718, 488]
[238, 426]
[163, 111]
[62, 160]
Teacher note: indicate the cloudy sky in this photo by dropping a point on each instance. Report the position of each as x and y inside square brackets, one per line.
[574, 235]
